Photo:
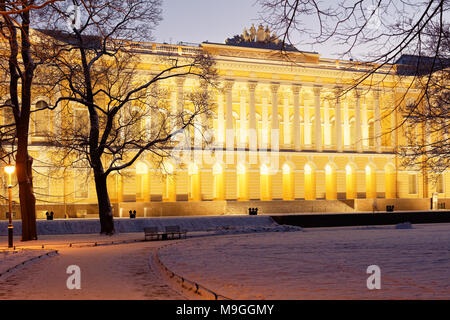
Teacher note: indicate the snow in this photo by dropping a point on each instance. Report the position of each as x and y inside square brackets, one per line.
[127, 225]
[323, 263]
[12, 258]
[118, 272]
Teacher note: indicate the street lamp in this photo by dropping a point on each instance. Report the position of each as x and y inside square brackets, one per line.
[9, 169]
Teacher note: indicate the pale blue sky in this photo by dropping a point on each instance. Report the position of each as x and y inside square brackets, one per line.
[196, 21]
[200, 20]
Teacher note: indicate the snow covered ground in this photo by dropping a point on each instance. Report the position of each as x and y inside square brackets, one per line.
[12, 258]
[325, 263]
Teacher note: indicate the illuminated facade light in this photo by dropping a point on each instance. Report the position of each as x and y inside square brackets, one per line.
[217, 169]
[308, 169]
[286, 169]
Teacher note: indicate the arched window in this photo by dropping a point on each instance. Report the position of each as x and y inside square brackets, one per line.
[142, 182]
[288, 182]
[352, 133]
[265, 183]
[7, 118]
[169, 192]
[333, 131]
[330, 182]
[242, 182]
[350, 182]
[41, 119]
[389, 177]
[218, 191]
[310, 182]
[371, 184]
[194, 193]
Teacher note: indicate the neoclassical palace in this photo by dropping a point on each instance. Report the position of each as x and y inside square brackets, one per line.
[289, 136]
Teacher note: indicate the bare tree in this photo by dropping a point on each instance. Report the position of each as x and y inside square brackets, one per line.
[19, 65]
[429, 122]
[99, 73]
[410, 37]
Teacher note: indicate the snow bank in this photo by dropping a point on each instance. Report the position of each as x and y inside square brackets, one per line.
[12, 258]
[405, 225]
[221, 224]
[328, 263]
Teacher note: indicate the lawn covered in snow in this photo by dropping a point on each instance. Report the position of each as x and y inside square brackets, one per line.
[324, 263]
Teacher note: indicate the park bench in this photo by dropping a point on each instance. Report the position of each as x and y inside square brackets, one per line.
[152, 232]
[175, 231]
[172, 231]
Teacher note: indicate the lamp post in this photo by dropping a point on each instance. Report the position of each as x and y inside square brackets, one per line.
[9, 169]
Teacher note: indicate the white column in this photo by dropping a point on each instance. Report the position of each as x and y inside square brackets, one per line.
[326, 124]
[346, 125]
[296, 124]
[286, 121]
[220, 119]
[377, 113]
[229, 121]
[265, 123]
[317, 119]
[365, 126]
[252, 133]
[337, 120]
[275, 136]
[307, 125]
[394, 125]
[358, 135]
[242, 119]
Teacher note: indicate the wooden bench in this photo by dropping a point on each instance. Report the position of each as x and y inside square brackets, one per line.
[151, 232]
[175, 231]
[172, 231]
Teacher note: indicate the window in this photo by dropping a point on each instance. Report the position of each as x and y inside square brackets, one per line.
[412, 184]
[81, 184]
[7, 117]
[81, 121]
[42, 119]
[440, 184]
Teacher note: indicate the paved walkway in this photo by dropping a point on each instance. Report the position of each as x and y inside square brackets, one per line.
[117, 271]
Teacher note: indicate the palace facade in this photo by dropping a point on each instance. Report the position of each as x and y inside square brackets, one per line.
[289, 136]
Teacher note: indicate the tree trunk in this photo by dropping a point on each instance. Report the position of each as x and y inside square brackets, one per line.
[104, 204]
[26, 197]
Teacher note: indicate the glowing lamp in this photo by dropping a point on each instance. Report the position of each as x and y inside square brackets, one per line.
[348, 169]
[264, 169]
[308, 169]
[286, 169]
[328, 169]
[217, 169]
[368, 170]
[9, 169]
[241, 169]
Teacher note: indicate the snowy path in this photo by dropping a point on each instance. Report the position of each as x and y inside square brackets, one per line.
[107, 272]
[328, 263]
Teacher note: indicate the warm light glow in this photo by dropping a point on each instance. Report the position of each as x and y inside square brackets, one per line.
[286, 169]
[241, 169]
[308, 169]
[348, 169]
[141, 168]
[368, 170]
[217, 169]
[192, 169]
[264, 169]
[9, 169]
[168, 167]
[328, 169]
